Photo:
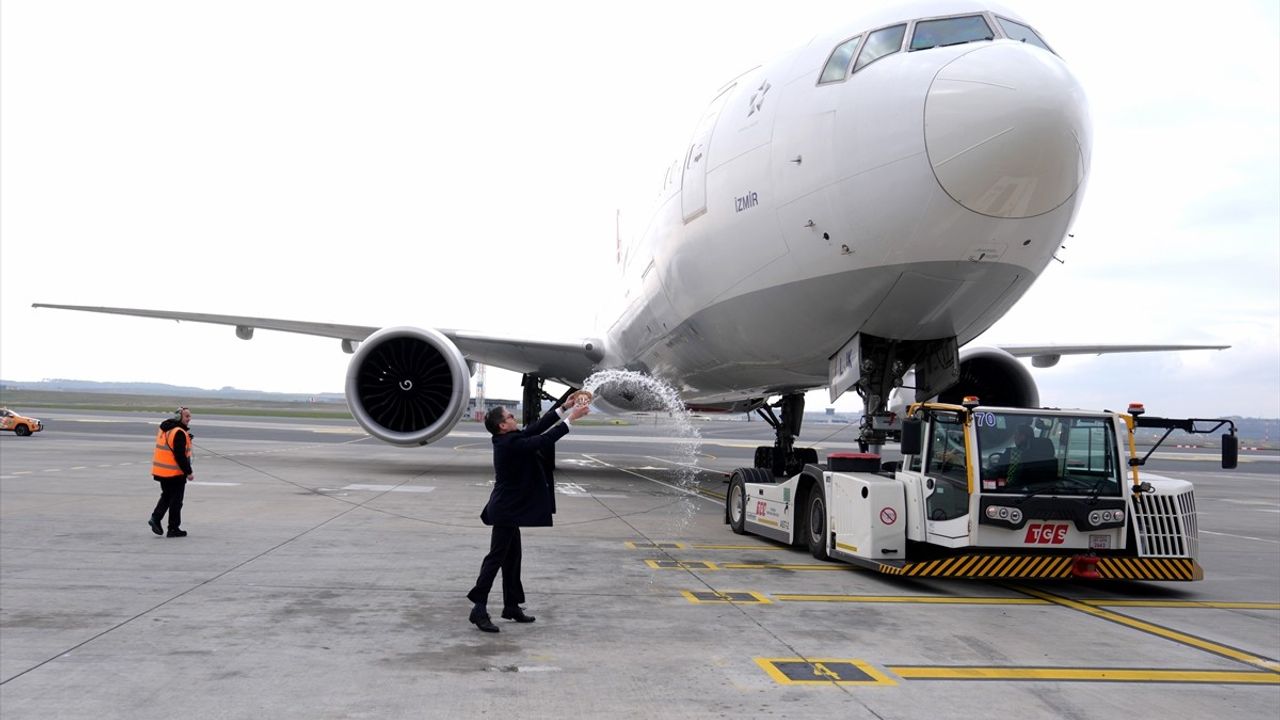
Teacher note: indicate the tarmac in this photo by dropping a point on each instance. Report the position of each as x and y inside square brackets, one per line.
[325, 574]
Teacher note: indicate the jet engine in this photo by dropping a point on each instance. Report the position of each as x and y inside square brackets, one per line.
[992, 374]
[408, 386]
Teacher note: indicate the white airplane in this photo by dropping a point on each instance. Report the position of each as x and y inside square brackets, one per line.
[852, 212]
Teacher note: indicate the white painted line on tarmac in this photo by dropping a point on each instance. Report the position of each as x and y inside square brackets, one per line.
[571, 489]
[677, 488]
[1268, 503]
[390, 488]
[1242, 537]
[695, 466]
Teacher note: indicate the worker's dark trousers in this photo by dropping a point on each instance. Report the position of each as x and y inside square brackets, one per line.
[504, 554]
[171, 492]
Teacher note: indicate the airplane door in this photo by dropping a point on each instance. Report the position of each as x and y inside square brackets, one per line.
[693, 183]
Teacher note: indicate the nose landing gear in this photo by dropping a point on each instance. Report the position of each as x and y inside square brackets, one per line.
[784, 459]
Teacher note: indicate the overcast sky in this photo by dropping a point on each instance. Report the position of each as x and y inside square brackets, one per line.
[384, 163]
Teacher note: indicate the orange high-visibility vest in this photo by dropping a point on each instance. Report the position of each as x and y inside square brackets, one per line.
[163, 462]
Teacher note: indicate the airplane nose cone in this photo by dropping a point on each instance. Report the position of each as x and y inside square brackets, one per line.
[1007, 131]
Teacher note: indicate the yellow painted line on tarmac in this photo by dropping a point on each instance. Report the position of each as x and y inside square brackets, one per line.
[977, 600]
[1169, 634]
[1220, 605]
[1217, 677]
[767, 548]
[910, 599]
[785, 566]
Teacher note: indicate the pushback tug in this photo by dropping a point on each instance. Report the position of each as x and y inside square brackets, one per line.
[991, 492]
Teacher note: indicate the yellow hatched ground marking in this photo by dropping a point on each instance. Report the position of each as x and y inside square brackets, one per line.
[681, 565]
[1179, 637]
[724, 597]
[823, 671]
[918, 672]
[642, 545]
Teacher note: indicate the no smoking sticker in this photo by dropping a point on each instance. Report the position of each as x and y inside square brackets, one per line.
[888, 516]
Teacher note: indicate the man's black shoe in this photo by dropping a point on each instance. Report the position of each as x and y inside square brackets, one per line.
[517, 614]
[177, 533]
[482, 621]
[155, 526]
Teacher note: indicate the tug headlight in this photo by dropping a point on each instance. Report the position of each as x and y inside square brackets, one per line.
[1008, 514]
[1097, 517]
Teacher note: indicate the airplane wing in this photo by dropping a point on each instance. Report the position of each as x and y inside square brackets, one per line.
[1043, 356]
[565, 361]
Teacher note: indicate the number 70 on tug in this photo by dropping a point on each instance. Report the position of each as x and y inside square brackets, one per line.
[992, 492]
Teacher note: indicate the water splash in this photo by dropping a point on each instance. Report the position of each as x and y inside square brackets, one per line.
[671, 418]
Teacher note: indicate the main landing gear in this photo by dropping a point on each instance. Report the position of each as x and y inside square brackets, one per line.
[784, 459]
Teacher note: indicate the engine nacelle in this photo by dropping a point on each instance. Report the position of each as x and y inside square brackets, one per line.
[995, 376]
[408, 386]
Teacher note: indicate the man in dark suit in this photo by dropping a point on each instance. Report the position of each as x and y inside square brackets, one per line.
[523, 496]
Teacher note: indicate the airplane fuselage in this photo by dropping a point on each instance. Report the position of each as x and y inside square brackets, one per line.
[915, 197]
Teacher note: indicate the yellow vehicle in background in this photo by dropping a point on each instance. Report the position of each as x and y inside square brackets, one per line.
[21, 425]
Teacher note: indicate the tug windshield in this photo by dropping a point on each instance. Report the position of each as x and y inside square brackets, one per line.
[1047, 454]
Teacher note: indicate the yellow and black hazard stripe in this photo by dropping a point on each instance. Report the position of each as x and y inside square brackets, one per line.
[1046, 566]
[1119, 568]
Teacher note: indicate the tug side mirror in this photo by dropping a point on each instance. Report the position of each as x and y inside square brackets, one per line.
[912, 430]
[1230, 451]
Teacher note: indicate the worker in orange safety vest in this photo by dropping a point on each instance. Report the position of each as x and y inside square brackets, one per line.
[171, 467]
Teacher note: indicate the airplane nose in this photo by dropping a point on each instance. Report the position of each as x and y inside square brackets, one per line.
[1007, 131]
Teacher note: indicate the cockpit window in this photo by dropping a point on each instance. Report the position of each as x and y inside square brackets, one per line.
[950, 31]
[1022, 33]
[880, 43]
[838, 65]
